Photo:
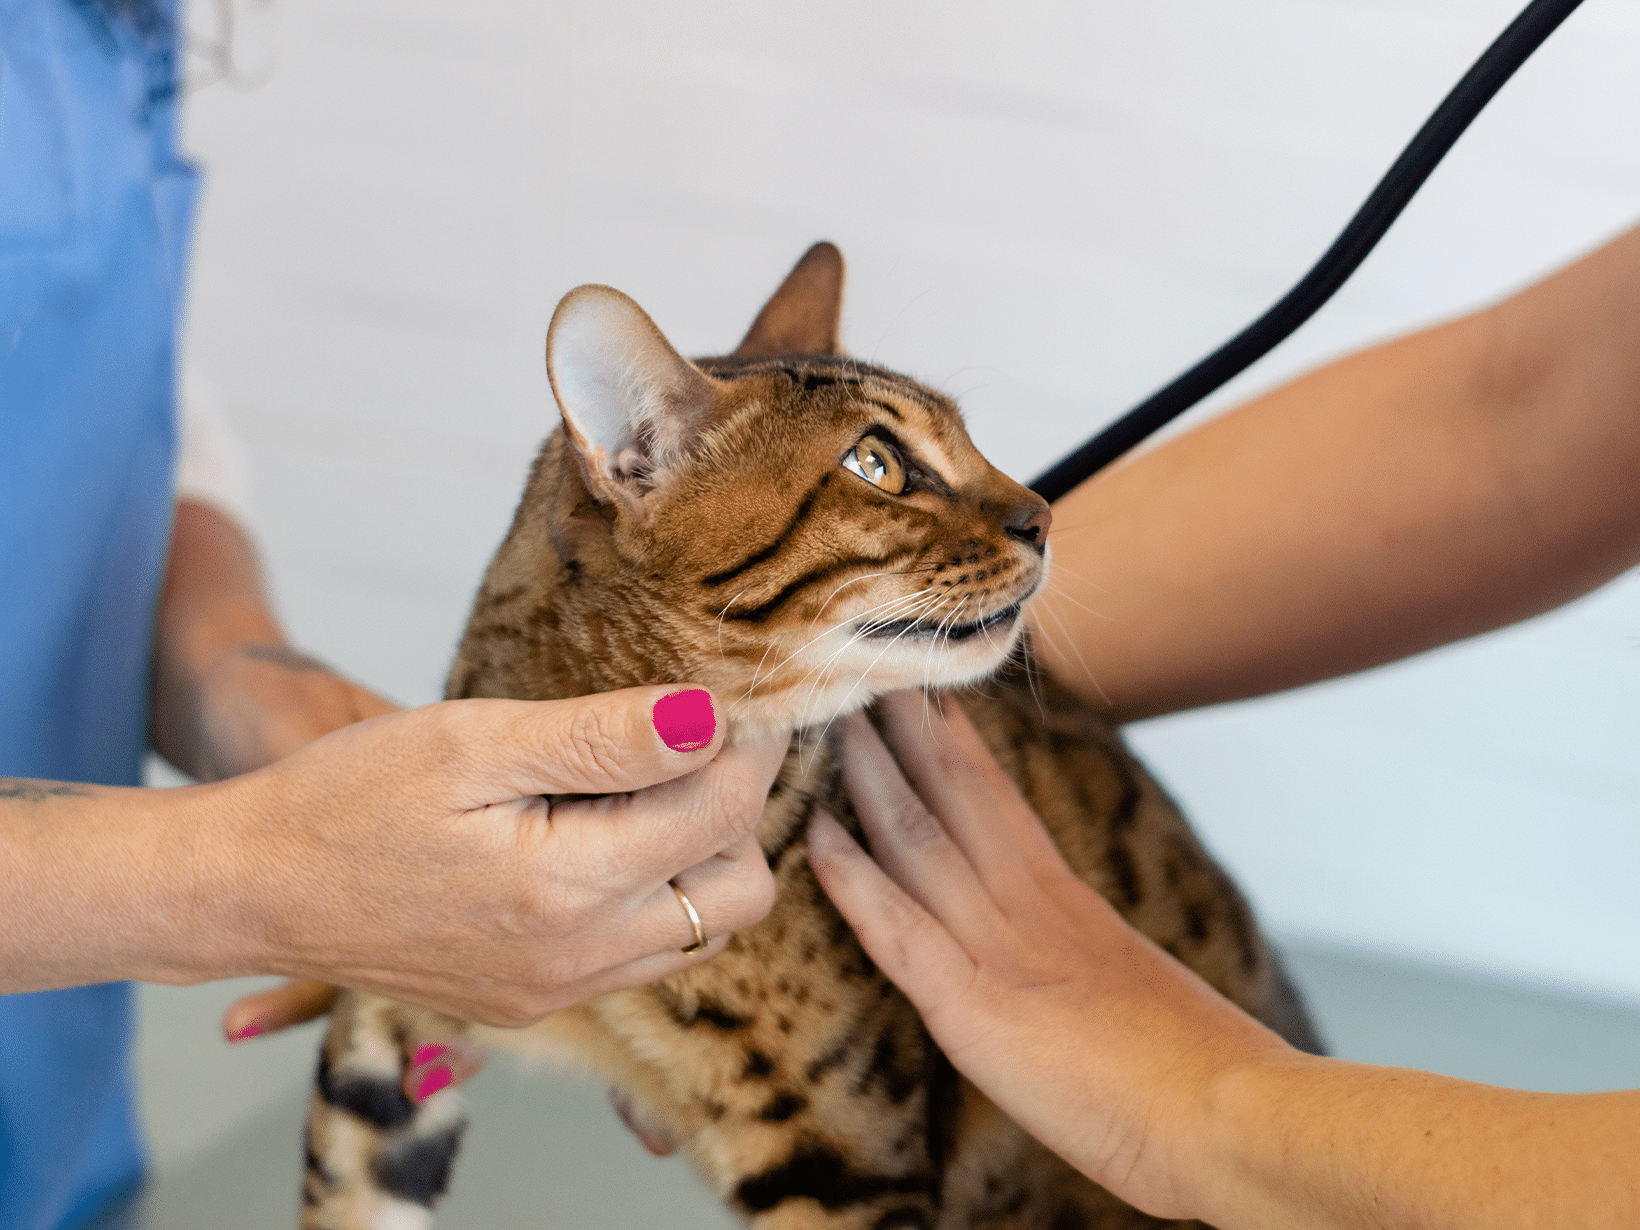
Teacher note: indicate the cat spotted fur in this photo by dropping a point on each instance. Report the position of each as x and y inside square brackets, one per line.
[693, 522]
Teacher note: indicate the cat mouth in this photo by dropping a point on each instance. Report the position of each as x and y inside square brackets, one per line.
[948, 632]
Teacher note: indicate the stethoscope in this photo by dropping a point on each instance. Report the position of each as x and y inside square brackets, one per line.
[1440, 132]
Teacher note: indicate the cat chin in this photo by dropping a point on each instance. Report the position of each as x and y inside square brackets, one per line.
[909, 663]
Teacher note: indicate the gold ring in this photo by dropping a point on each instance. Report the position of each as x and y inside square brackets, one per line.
[694, 920]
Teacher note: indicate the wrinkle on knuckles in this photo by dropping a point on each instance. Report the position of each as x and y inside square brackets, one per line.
[600, 742]
[908, 823]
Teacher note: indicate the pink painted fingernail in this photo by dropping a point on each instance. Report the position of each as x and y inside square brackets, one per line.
[426, 1054]
[685, 720]
[435, 1080]
[254, 1030]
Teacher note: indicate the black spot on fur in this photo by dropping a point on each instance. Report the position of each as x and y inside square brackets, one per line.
[377, 1100]
[828, 1060]
[758, 1066]
[782, 1107]
[719, 1017]
[899, 1081]
[706, 1011]
[314, 1164]
[818, 1172]
[1195, 920]
[317, 1181]
[419, 1170]
[1124, 869]
[1127, 807]
[904, 1217]
[943, 1109]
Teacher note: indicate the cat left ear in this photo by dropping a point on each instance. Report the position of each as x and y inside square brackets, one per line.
[630, 402]
[804, 315]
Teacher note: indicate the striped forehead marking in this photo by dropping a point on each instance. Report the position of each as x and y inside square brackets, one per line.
[899, 397]
[915, 412]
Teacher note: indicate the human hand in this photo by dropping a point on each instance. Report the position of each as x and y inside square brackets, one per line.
[413, 854]
[254, 704]
[1088, 1035]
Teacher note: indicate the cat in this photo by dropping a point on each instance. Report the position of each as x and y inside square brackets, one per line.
[682, 525]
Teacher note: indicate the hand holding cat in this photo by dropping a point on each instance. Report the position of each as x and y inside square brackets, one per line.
[1089, 1036]
[412, 854]
[415, 855]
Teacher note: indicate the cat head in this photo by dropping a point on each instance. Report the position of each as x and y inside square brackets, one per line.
[799, 530]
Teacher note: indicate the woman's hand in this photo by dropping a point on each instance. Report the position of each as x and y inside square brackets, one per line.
[414, 854]
[1090, 1037]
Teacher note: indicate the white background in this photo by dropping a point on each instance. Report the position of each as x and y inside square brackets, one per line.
[1048, 208]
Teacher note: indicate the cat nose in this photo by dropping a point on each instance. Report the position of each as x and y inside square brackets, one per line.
[1029, 525]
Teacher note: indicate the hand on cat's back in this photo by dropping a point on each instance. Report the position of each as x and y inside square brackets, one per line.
[418, 854]
[1082, 1030]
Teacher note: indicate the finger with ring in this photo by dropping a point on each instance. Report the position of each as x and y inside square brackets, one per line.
[700, 941]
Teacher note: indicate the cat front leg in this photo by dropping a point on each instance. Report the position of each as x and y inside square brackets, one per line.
[375, 1160]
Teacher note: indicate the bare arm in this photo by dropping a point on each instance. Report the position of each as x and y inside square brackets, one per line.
[1423, 491]
[230, 692]
[1319, 1143]
[1132, 1069]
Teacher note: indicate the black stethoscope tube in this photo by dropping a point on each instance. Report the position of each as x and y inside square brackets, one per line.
[1439, 133]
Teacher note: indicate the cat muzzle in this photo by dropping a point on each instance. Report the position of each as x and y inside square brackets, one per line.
[896, 628]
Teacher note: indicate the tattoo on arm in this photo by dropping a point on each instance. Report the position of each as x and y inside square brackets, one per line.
[28, 790]
[285, 656]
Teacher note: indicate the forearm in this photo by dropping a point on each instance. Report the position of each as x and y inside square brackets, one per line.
[230, 695]
[213, 604]
[103, 883]
[1319, 1144]
[1429, 489]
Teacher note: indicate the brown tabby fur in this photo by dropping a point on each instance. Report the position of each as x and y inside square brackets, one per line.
[710, 543]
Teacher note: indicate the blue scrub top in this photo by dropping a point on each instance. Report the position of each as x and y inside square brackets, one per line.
[95, 209]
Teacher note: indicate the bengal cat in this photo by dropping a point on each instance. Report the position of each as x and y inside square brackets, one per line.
[801, 532]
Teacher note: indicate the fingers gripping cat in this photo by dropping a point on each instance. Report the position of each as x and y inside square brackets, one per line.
[801, 532]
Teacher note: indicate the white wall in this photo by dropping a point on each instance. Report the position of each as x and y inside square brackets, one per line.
[1048, 208]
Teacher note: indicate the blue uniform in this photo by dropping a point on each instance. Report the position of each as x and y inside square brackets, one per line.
[95, 208]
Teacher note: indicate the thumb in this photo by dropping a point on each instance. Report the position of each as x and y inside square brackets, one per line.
[606, 743]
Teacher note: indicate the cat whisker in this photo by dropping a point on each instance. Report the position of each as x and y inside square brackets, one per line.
[1033, 674]
[723, 614]
[863, 675]
[935, 645]
[889, 604]
[908, 604]
[1075, 652]
[870, 576]
[1059, 568]
[1060, 594]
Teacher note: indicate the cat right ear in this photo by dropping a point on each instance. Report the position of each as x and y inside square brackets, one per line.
[631, 403]
[805, 315]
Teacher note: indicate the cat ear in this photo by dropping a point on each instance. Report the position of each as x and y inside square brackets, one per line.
[630, 402]
[803, 316]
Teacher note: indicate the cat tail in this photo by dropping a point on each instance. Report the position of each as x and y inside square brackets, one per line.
[375, 1159]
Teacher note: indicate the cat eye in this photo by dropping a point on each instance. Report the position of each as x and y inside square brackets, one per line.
[876, 462]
